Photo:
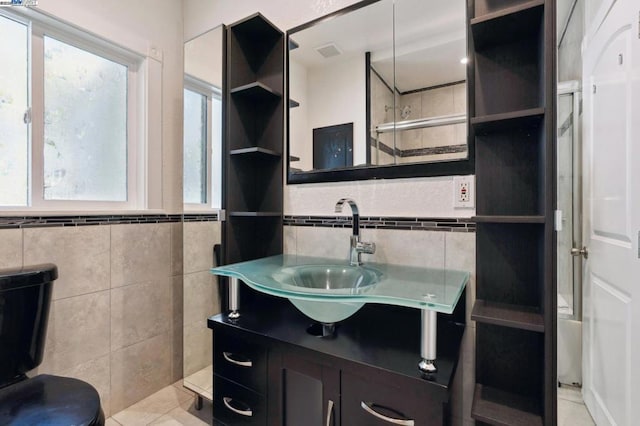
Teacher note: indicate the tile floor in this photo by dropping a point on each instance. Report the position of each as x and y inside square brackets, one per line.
[174, 406]
[571, 409]
[201, 382]
[171, 406]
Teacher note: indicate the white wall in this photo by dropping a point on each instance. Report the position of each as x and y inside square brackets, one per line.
[202, 15]
[337, 95]
[141, 26]
[203, 57]
[300, 138]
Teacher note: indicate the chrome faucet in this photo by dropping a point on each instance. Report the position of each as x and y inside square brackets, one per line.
[357, 247]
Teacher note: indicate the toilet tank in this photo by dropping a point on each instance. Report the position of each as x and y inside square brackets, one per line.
[25, 297]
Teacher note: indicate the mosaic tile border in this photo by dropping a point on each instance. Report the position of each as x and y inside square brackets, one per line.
[398, 223]
[419, 152]
[11, 222]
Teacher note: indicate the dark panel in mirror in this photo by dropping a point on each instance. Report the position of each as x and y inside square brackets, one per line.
[397, 71]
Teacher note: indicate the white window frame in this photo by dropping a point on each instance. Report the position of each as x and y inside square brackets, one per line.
[41, 25]
[213, 196]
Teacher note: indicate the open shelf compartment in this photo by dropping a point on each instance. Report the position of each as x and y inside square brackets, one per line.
[495, 407]
[509, 363]
[490, 9]
[256, 183]
[256, 53]
[521, 317]
[255, 123]
[510, 263]
[510, 172]
[507, 121]
[511, 61]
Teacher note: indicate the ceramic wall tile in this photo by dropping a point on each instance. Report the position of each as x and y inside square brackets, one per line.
[460, 98]
[323, 242]
[410, 139]
[200, 297]
[176, 248]
[140, 253]
[177, 325]
[10, 248]
[437, 102]
[289, 239]
[197, 347]
[139, 370]
[199, 239]
[417, 197]
[412, 248]
[97, 373]
[461, 134]
[80, 253]
[438, 136]
[411, 104]
[78, 331]
[460, 254]
[140, 311]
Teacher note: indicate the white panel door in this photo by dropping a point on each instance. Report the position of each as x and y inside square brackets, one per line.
[611, 328]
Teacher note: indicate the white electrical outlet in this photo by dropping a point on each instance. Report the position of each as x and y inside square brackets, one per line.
[464, 192]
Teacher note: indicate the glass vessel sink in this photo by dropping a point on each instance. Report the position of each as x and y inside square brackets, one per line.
[328, 278]
[330, 290]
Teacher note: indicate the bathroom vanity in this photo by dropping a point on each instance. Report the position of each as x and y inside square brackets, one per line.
[269, 369]
[274, 365]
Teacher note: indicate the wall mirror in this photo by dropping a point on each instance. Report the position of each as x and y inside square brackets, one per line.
[202, 160]
[378, 90]
[202, 139]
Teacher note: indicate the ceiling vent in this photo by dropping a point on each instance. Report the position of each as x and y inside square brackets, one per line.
[328, 50]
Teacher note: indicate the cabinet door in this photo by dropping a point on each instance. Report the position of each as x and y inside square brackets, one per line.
[311, 393]
[371, 402]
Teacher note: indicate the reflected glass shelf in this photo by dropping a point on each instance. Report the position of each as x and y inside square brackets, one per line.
[422, 288]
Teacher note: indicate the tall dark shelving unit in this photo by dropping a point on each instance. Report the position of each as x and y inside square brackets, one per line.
[512, 118]
[253, 147]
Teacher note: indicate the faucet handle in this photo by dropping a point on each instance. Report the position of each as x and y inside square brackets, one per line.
[368, 248]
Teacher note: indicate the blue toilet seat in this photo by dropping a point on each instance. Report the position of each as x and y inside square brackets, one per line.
[50, 401]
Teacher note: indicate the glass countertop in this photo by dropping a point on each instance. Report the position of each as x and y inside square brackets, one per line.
[423, 288]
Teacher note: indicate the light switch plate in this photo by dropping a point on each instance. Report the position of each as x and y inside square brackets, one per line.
[464, 192]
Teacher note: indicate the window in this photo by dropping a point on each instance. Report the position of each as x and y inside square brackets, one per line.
[68, 105]
[14, 101]
[202, 145]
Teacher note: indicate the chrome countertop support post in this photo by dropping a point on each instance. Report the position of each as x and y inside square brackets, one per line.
[428, 340]
[234, 298]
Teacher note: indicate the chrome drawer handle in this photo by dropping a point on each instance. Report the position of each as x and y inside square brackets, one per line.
[227, 403]
[366, 407]
[229, 357]
[329, 412]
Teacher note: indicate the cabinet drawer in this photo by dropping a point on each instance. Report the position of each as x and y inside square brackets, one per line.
[237, 359]
[236, 405]
[366, 402]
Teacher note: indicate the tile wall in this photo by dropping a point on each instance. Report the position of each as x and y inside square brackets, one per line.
[200, 293]
[116, 317]
[429, 103]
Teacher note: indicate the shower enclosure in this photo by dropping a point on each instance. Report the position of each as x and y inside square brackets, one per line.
[569, 234]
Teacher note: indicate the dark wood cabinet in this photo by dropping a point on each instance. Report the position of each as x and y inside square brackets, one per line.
[310, 391]
[512, 118]
[269, 371]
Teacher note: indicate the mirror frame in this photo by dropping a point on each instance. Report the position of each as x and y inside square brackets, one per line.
[395, 171]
